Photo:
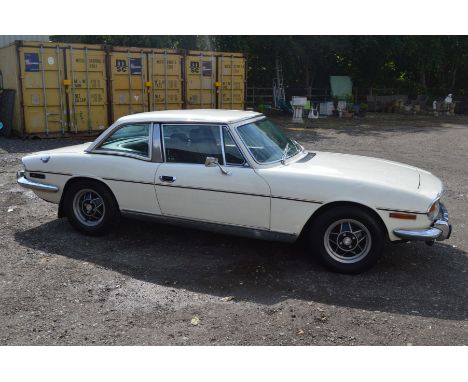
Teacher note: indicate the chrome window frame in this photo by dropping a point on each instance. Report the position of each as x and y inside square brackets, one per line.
[246, 163]
[156, 144]
[250, 152]
[94, 148]
[213, 124]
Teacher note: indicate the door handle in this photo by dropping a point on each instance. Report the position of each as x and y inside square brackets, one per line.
[166, 178]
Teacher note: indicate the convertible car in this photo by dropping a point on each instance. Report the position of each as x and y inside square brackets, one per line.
[236, 172]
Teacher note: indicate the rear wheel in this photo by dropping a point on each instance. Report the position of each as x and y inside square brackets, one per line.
[90, 207]
[347, 239]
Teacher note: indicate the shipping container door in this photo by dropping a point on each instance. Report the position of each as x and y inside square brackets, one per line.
[165, 72]
[231, 75]
[87, 89]
[42, 77]
[128, 76]
[200, 76]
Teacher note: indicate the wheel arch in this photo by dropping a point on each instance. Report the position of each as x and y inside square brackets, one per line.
[75, 179]
[326, 207]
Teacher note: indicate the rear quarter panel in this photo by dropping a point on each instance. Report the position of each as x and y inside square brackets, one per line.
[131, 180]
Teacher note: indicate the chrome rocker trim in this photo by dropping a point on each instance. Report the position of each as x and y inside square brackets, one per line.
[440, 230]
[26, 183]
[226, 229]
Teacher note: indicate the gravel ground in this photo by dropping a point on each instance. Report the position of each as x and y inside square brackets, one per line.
[149, 283]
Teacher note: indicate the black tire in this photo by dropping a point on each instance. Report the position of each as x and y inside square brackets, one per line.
[346, 251]
[97, 225]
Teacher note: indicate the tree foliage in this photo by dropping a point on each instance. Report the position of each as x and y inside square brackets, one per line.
[411, 63]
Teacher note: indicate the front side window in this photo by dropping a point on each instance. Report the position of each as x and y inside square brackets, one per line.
[129, 139]
[231, 151]
[266, 142]
[192, 143]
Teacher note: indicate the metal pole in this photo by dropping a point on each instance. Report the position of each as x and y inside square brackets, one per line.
[165, 80]
[212, 82]
[152, 79]
[59, 73]
[201, 80]
[222, 82]
[130, 106]
[44, 93]
[87, 91]
[142, 84]
[244, 61]
[232, 81]
[73, 90]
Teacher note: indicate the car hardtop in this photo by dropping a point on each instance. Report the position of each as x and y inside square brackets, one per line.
[191, 116]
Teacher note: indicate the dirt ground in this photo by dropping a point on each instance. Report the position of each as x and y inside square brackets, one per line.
[144, 283]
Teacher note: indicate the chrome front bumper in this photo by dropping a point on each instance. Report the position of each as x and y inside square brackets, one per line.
[440, 230]
[27, 183]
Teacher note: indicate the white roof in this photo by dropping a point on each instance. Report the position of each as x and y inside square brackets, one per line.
[195, 115]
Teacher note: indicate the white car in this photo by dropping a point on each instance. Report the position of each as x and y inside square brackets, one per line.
[236, 172]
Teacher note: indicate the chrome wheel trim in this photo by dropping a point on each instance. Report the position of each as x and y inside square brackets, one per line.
[347, 241]
[89, 207]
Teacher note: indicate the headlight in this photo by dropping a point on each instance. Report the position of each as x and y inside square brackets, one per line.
[433, 210]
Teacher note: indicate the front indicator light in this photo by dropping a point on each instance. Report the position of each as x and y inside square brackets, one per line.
[401, 215]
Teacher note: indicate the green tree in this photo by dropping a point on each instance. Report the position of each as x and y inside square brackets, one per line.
[414, 64]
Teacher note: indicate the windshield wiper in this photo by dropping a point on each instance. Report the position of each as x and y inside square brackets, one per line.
[285, 153]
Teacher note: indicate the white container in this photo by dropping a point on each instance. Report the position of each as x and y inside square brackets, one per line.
[298, 101]
[326, 108]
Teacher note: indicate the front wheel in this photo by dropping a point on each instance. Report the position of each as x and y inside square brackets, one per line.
[347, 239]
[90, 207]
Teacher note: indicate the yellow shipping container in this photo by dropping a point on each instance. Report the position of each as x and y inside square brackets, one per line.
[64, 89]
[10, 80]
[231, 75]
[60, 88]
[145, 79]
[215, 80]
[200, 74]
[86, 69]
[128, 76]
[165, 76]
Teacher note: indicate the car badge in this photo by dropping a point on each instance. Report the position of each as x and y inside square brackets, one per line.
[45, 159]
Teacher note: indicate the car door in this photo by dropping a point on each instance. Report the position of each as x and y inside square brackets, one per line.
[232, 193]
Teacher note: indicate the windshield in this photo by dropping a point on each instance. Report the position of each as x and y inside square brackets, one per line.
[266, 142]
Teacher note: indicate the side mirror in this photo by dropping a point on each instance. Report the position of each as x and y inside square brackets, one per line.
[213, 162]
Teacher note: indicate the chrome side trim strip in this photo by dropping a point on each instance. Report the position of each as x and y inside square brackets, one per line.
[227, 229]
[50, 172]
[128, 181]
[396, 210]
[211, 190]
[120, 154]
[239, 193]
[297, 199]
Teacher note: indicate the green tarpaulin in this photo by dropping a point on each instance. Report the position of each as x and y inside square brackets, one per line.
[341, 86]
